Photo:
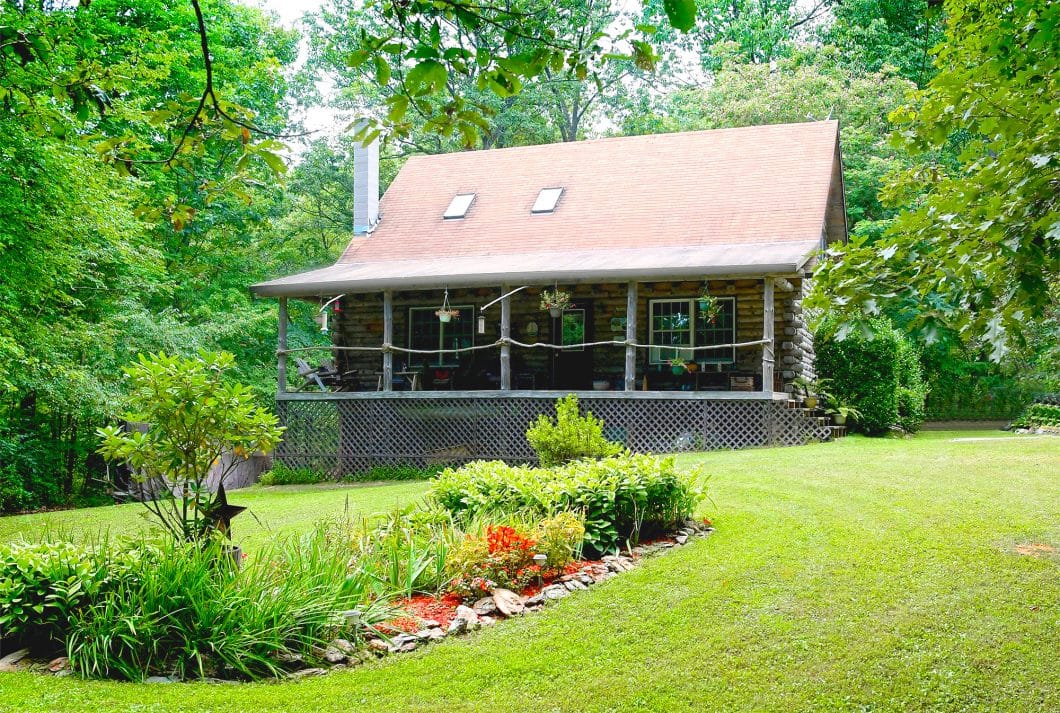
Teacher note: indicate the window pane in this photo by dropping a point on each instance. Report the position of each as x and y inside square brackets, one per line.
[459, 206]
[719, 330]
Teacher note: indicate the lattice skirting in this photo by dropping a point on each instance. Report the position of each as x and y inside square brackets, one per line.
[345, 435]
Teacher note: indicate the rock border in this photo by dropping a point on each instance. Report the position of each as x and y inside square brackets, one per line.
[488, 611]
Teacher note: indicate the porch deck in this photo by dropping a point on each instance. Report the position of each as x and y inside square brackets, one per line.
[348, 432]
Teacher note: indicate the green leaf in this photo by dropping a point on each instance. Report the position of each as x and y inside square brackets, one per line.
[427, 77]
[681, 13]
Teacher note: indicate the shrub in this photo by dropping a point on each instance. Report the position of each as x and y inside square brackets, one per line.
[187, 611]
[877, 372]
[193, 417]
[1038, 415]
[617, 496]
[570, 436]
[281, 474]
[503, 557]
[43, 587]
[559, 538]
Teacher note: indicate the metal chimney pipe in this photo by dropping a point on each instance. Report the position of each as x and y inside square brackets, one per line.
[365, 184]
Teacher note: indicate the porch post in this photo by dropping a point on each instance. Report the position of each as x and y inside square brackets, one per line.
[281, 348]
[631, 336]
[767, 334]
[506, 332]
[388, 338]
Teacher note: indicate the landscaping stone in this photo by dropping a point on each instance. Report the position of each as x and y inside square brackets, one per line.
[174, 679]
[487, 621]
[10, 662]
[434, 633]
[378, 645]
[535, 601]
[585, 579]
[333, 656]
[508, 602]
[407, 646]
[304, 673]
[430, 624]
[57, 665]
[467, 613]
[555, 591]
[681, 539]
[485, 606]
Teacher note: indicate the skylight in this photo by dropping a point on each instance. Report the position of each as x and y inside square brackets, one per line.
[458, 207]
[546, 200]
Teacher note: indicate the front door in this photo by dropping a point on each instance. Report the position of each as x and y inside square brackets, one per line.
[572, 368]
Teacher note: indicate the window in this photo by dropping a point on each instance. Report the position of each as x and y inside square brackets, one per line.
[459, 206]
[720, 330]
[427, 332]
[546, 200]
[676, 325]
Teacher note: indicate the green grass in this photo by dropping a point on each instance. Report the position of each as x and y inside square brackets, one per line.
[860, 575]
[271, 510]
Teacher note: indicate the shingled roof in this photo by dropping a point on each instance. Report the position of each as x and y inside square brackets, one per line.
[753, 200]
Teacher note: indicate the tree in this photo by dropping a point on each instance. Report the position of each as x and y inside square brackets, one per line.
[193, 419]
[873, 34]
[978, 250]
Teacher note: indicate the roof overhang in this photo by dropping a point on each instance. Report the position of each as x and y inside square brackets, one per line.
[644, 264]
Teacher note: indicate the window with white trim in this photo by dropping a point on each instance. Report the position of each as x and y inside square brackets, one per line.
[426, 331]
[676, 325]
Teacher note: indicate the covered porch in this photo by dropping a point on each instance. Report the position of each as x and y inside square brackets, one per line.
[627, 337]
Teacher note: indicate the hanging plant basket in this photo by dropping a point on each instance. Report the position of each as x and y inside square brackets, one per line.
[446, 313]
[555, 302]
[709, 307]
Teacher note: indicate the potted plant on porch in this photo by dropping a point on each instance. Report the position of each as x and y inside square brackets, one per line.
[555, 302]
[839, 411]
[813, 391]
[678, 366]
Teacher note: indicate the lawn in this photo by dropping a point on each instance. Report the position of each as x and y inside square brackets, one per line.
[859, 575]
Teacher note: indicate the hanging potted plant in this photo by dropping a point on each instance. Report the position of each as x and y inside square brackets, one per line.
[446, 313]
[555, 302]
[708, 305]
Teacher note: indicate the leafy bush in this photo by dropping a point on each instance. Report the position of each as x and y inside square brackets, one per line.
[559, 538]
[281, 474]
[503, 557]
[617, 496]
[1038, 415]
[911, 393]
[876, 371]
[193, 418]
[570, 436]
[187, 611]
[43, 587]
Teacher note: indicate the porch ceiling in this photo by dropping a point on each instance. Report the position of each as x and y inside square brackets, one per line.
[620, 265]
